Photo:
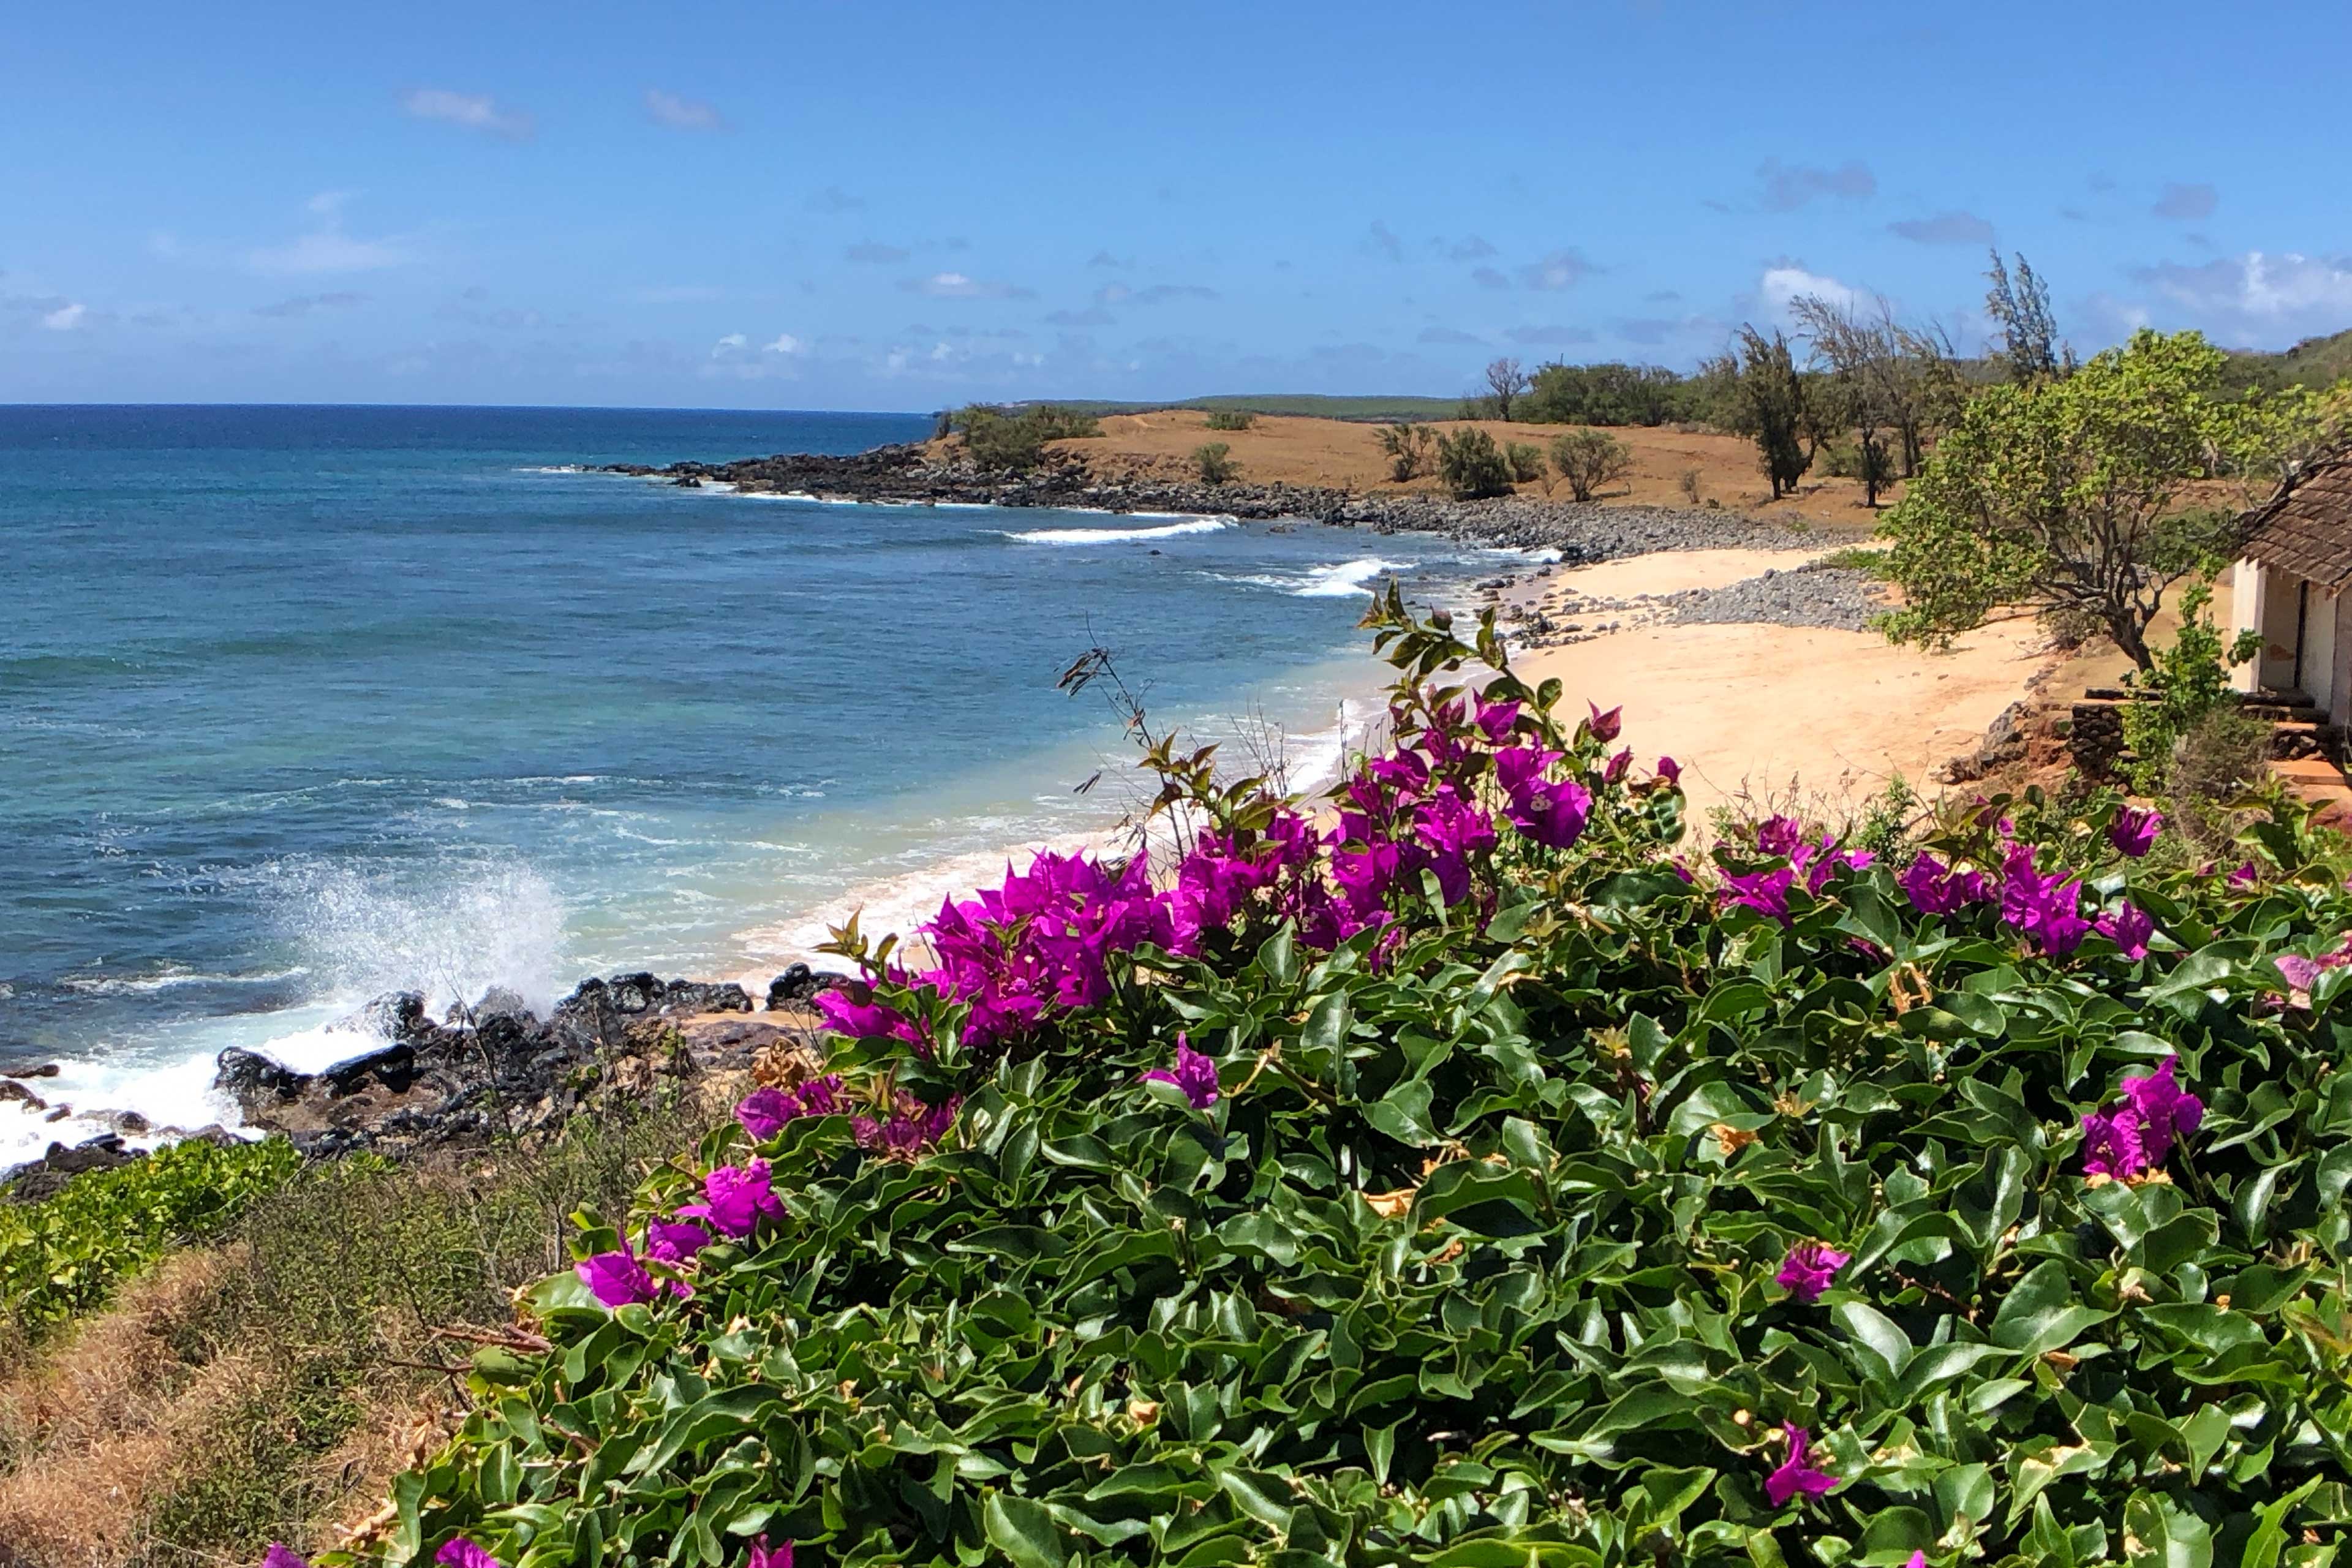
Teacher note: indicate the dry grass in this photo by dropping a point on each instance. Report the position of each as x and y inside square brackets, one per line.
[93, 1433]
[1345, 455]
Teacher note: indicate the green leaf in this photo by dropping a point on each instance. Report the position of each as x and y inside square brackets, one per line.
[1023, 1530]
[2040, 1313]
[2159, 1533]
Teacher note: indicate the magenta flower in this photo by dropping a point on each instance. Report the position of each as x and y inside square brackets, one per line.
[1618, 766]
[1604, 726]
[1497, 719]
[861, 1020]
[461, 1552]
[1795, 1475]
[762, 1556]
[674, 1241]
[2133, 832]
[1195, 1075]
[1919, 1560]
[2167, 1111]
[1935, 889]
[2044, 909]
[1766, 891]
[1551, 813]
[735, 1199]
[279, 1555]
[1670, 770]
[1806, 1272]
[2138, 1136]
[2244, 876]
[1779, 835]
[617, 1279]
[911, 1129]
[764, 1112]
[2128, 928]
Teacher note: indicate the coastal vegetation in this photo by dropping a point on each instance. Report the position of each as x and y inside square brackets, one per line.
[1013, 439]
[1410, 450]
[1488, 1177]
[1214, 463]
[1589, 459]
[1230, 419]
[1472, 465]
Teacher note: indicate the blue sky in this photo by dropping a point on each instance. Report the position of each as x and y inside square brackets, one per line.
[887, 205]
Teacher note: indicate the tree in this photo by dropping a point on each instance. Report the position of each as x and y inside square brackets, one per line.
[1230, 418]
[1506, 381]
[1768, 402]
[2065, 493]
[1608, 394]
[1527, 462]
[1215, 463]
[2032, 349]
[1472, 465]
[1890, 379]
[1588, 460]
[1408, 449]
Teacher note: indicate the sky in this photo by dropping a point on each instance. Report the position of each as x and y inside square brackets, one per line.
[883, 205]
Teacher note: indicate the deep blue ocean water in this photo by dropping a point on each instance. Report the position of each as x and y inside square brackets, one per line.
[297, 705]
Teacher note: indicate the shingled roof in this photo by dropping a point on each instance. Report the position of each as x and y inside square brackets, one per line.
[2306, 527]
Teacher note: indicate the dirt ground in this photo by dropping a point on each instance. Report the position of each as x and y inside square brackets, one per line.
[1778, 713]
[1339, 453]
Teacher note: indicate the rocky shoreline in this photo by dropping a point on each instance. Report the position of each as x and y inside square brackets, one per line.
[413, 1086]
[1583, 532]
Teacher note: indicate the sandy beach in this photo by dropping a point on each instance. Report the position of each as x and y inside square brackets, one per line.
[1768, 711]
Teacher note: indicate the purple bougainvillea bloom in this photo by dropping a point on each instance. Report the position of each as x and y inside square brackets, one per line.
[765, 1556]
[2133, 831]
[735, 1198]
[1779, 835]
[1919, 1560]
[2128, 928]
[2044, 909]
[675, 1240]
[911, 1130]
[463, 1553]
[1808, 1269]
[2167, 1111]
[1765, 892]
[1604, 726]
[1618, 766]
[2244, 876]
[2299, 972]
[280, 1555]
[1497, 719]
[1195, 1075]
[764, 1112]
[1795, 1476]
[617, 1279]
[2138, 1136]
[1670, 770]
[1552, 813]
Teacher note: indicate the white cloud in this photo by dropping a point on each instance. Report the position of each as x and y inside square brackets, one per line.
[1561, 269]
[957, 286]
[65, 318]
[474, 111]
[732, 344]
[329, 249]
[682, 113]
[785, 343]
[1786, 283]
[2257, 298]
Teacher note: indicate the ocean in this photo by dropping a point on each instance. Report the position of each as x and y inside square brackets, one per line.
[299, 705]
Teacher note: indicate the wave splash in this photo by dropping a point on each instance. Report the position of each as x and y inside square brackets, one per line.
[1118, 535]
[450, 929]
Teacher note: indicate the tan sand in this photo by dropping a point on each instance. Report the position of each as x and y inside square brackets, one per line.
[1672, 572]
[1764, 710]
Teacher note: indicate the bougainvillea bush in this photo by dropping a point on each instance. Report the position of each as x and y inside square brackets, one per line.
[1459, 1170]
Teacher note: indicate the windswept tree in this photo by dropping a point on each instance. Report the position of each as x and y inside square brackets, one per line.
[1766, 399]
[2069, 495]
[2031, 348]
[1505, 381]
[1589, 459]
[1409, 449]
[1893, 382]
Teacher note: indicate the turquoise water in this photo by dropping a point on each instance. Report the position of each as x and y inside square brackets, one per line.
[300, 704]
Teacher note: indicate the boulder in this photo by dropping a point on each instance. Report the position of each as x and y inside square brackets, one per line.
[252, 1079]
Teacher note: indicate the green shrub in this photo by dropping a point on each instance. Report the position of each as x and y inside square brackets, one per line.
[1589, 459]
[60, 1256]
[1472, 465]
[1014, 439]
[1231, 418]
[1607, 394]
[1409, 449]
[1214, 463]
[1480, 1237]
[1527, 462]
[2190, 680]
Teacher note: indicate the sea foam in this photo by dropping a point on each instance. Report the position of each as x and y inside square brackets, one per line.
[1118, 535]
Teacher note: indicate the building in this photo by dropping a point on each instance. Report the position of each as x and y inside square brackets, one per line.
[2290, 586]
